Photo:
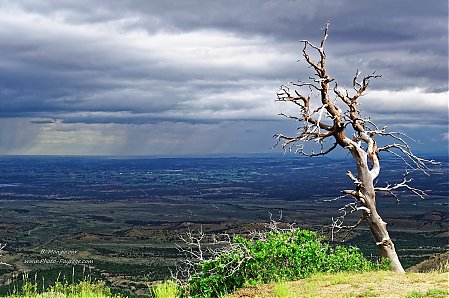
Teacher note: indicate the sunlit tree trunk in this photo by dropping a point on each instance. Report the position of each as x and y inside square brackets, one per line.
[378, 227]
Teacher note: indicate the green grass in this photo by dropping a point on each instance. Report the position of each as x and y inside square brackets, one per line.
[342, 284]
[167, 289]
[431, 293]
[83, 289]
[368, 292]
[281, 290]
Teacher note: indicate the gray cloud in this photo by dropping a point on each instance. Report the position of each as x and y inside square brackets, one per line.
[207, 62]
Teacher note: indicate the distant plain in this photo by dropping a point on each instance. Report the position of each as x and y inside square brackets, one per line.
[121, 217]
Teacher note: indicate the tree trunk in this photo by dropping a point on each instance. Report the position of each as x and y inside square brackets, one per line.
[367, 199]
[386, 247]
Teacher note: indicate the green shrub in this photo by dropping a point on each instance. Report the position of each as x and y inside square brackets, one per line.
[282, 255]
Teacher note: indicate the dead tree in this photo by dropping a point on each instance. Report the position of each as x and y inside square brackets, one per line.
[329, 117]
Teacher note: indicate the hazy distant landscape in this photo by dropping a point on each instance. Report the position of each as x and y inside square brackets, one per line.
[121, 217]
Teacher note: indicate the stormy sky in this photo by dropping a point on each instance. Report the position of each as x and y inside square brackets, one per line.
[200, 77]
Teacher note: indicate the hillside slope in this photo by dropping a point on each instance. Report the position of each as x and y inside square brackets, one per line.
[439, 262]
[368, 284]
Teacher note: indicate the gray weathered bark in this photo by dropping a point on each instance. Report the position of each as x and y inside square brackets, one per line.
[367, 198]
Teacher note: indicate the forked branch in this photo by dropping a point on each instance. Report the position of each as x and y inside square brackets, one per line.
[404, 184]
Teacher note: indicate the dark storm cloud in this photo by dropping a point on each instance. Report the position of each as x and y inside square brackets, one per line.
[146, 62]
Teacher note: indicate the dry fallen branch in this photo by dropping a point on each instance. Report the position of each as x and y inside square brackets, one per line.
[198, 247]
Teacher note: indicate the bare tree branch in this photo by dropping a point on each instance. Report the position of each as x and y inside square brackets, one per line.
[338, 222]
[2, 247]
[404, 184]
